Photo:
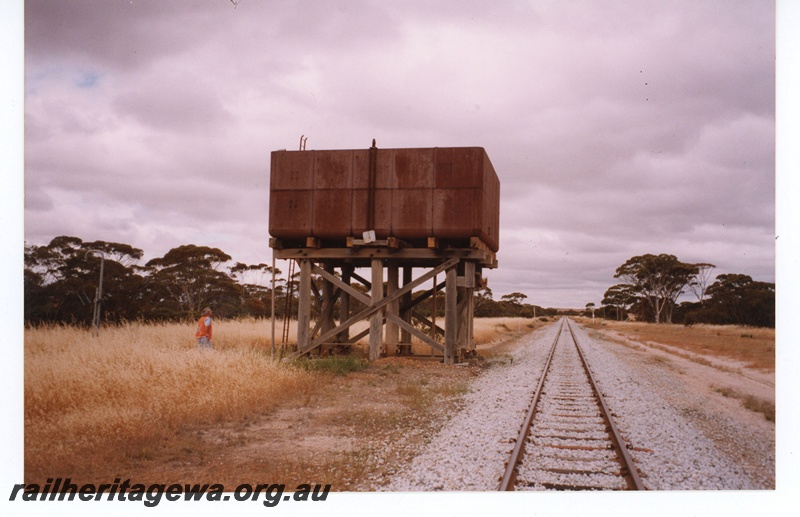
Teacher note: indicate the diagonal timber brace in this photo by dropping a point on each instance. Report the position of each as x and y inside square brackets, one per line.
[416, 333]
[373, 308]
[355, 293]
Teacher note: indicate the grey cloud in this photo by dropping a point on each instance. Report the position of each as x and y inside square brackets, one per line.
[175, 100]
[118, 35]
[38, 201]
[617, 129]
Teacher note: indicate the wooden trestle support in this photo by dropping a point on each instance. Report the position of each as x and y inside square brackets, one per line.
[388, 305]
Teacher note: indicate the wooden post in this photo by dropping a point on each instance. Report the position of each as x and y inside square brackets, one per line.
[465, 301]
[434, 309]
[464, 304]
[344, 307]
[450, 316]
[376, 320]
[272, 309]
[471, 319]
[405, 335]
[304, 308]
[392, 328]
[327, 300]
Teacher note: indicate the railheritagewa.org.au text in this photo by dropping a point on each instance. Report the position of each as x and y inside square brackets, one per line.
[59, 489]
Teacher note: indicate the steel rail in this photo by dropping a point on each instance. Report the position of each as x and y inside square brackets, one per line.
[510, 475]
[629, 469]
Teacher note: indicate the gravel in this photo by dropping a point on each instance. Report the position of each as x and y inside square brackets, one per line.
[470, 450]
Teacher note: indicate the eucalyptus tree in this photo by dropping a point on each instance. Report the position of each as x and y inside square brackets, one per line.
[590, 307]
[256, 291]
[482, 298]
[515, 298]
[659, 280]
[61, 279]
[188, 278]
[740, 300]
[701, 281]
[620, 297]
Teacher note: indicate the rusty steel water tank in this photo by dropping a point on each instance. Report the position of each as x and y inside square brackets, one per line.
[451, 193]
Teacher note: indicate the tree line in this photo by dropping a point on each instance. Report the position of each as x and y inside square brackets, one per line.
[652, 285]
[62, 278]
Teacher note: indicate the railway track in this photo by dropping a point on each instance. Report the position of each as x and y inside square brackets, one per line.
[568, 440]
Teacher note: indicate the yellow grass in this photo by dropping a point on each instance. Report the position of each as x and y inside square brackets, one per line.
[90, 401]
[137, 384]
[488, 330]
[755, 347]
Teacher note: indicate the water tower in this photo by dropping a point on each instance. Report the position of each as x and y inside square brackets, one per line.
[404, 215]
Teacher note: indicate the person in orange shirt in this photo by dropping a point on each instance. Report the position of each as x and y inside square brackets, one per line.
[204, 326]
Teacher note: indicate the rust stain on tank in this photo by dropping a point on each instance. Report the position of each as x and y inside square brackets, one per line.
[411, 193]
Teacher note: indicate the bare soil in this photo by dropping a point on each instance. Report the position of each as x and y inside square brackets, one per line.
[351, 431]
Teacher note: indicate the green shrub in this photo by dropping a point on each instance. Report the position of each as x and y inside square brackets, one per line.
[335, 364]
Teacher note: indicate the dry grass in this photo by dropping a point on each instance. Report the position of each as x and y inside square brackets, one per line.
[754, 347]
[488, 330]
[419, 393]
[750, 402]
[133, 397]
[123, 392]
[494, 336]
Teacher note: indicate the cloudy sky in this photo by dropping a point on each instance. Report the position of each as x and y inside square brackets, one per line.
[616, 128]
